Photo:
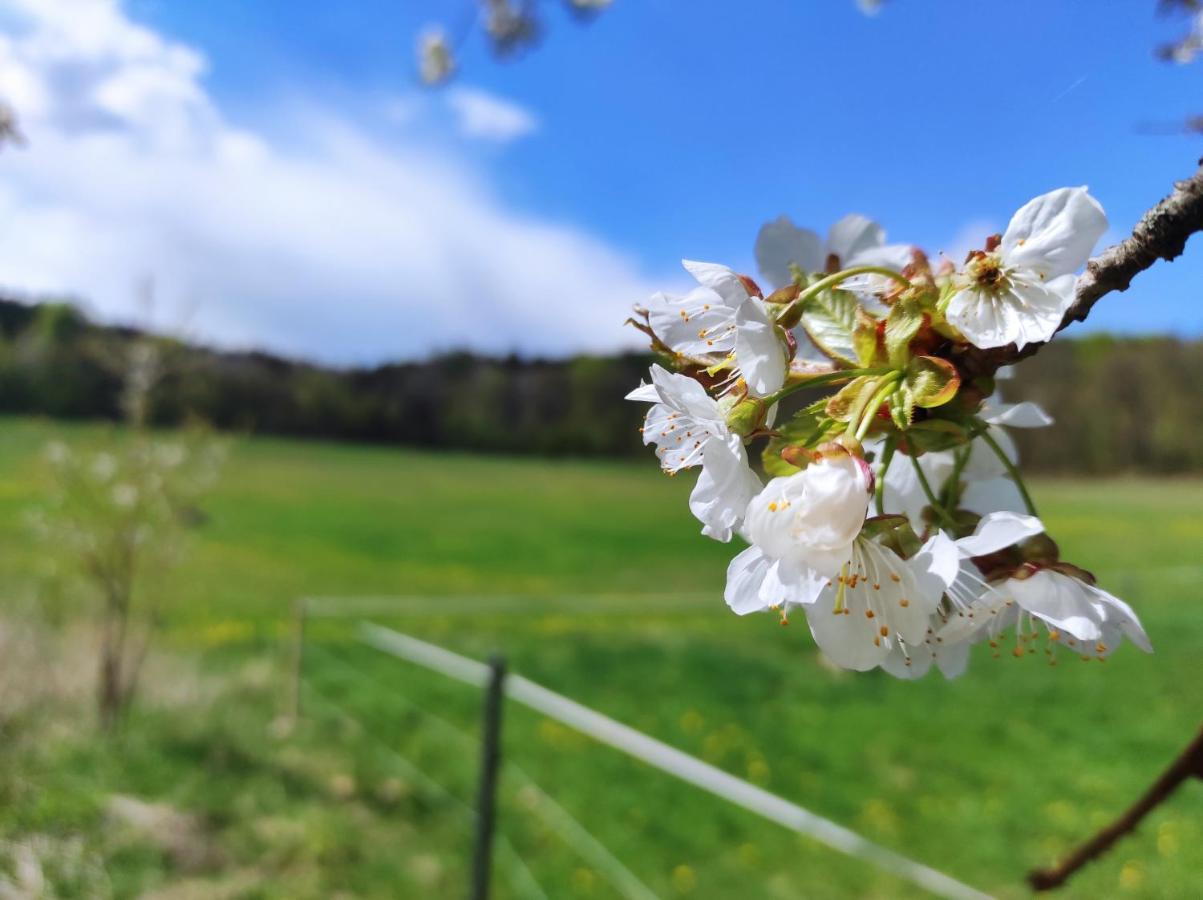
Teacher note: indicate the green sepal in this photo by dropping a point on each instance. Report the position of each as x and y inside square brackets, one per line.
[932, 381]
[895, 532]
[851, 396]
[934, 435]
[902, 409]
[903, 323]
[807, 428]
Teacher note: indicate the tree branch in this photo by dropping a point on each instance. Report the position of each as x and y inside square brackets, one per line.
[1188, 764]
[1161, 233]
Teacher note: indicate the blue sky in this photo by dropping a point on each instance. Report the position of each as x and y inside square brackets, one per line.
[668, 129]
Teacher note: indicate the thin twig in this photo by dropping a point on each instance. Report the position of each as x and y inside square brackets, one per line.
[1189, 764]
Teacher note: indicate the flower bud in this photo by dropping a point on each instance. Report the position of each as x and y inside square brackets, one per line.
[1040, 549]
[799, 456]
[750, 286]
[787, 294]
[746, 416]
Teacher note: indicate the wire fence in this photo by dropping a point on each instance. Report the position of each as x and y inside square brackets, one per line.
[605, 730]
[551, 814]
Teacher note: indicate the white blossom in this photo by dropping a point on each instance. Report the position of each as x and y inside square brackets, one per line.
[878, 610]
[854, 241]
[1075, 613]
[1019, 291]
[861, 600]
[689, 428]
[722, 316]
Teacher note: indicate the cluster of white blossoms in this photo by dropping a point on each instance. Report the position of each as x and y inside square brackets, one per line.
[894, 517]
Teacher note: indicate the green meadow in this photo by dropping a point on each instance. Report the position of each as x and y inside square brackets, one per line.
[592, 579]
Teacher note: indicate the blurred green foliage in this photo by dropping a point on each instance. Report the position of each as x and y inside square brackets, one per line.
[592, 577]
[1120, 404]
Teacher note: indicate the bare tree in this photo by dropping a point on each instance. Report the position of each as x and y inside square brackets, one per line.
[116, 518]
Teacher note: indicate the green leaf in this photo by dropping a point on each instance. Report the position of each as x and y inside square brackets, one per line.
[932, 381]
[934, 435]
[829, 318]
[805, 427]
[903, 323]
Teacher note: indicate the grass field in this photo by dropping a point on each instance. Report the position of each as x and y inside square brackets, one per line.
[606, 593]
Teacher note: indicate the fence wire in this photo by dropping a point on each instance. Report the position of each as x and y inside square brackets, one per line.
[558, 819]
[671, 761]
[522, 880]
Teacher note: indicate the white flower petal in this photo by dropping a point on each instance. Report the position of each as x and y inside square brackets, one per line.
[759, 351]
[952, 657]
[788, 583]
[687, 396]
[780, 243]
[853, 235]
[1024, 311]
[696, 324]
[937, 564]
[720, 279]
[999, 530]
[724, 489]
[1016, 415]
[908, 663]
[745, 575]
[1055, 233]
[903, 493]
[890, 256]
[992, 495]
[813, 516]
[850, 640]
[1120, 615]
[983, 462]
[645, 393]
[1060, 601]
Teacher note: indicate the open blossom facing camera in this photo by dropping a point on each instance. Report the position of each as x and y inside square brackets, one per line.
[895, 517]
[1018, 289]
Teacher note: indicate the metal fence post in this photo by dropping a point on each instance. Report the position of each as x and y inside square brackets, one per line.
[486, 796]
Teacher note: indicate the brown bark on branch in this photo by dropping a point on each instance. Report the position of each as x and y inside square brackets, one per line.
[1161, 233]
[1189, 764]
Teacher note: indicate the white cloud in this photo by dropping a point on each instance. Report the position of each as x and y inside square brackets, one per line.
[343, 248]
[488, 117]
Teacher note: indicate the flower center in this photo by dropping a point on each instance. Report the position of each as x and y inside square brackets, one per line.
[986, 271]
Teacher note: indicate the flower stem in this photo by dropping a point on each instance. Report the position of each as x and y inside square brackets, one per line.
[888, 385]
[887, 457]
[1012, 470]
[931, 498]
[950, 493]
[832, 280]
[821, 380]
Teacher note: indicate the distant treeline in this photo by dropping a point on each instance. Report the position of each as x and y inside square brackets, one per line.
[1121, 404]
